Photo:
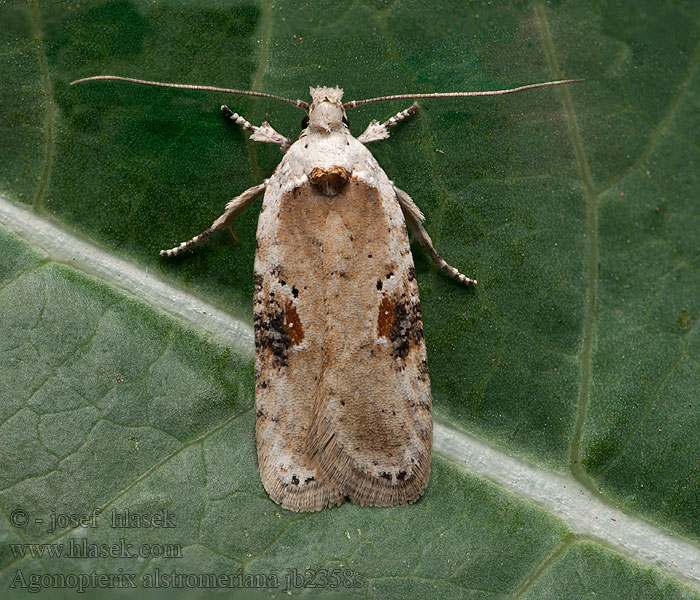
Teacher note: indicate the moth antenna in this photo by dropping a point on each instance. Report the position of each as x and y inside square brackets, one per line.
[356, 103]
[184, 86]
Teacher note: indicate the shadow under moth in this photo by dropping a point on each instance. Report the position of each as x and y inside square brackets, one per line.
[342, 392]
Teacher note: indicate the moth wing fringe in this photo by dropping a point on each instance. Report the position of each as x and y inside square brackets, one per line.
[324, 452]
[304, 498]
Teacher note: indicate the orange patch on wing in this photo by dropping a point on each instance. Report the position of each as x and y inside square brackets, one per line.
[385, 319]
[293, 324]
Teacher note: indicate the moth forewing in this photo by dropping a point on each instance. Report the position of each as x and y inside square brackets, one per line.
[342, 390]
[371, 425]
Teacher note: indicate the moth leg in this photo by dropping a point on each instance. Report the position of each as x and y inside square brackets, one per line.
[414, 220]
[380, 131]
[234, 208]
[264, 133]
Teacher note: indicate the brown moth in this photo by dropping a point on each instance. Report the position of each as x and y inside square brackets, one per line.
[342, 393]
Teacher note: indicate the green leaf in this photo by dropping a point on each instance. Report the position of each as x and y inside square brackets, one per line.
[577, 356]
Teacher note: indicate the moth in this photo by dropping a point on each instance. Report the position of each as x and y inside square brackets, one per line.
[342, 392]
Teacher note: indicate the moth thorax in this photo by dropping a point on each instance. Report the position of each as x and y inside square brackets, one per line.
[329, 181]
[326, 117]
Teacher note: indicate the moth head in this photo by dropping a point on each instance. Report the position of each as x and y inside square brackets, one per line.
[326, 112]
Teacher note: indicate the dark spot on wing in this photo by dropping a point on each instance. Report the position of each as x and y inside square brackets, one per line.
[272, 334]
[417, 322]
[400, 321]
[423, 373]
[400, 334]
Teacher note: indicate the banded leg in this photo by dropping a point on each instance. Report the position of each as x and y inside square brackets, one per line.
[414, 221]
[264, 133]
[234, 208]
[380, 131]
